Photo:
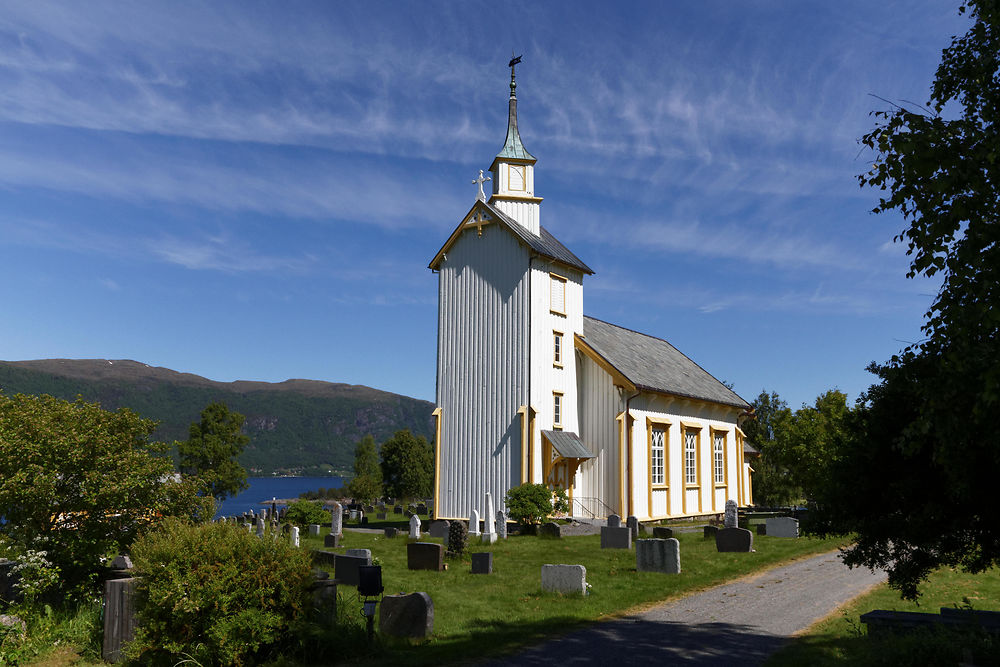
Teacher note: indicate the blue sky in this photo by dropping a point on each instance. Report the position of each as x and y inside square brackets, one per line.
[253, 190]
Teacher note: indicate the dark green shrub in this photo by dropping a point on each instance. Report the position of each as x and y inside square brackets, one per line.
[305, 512]
[217, 594]
[458, 535]
[530, 504]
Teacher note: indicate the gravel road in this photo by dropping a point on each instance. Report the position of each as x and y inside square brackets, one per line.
[739, 623]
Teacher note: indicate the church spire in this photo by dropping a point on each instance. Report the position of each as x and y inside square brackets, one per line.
[513, 148]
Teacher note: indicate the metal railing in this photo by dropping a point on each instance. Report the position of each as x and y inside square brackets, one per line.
[593, 508]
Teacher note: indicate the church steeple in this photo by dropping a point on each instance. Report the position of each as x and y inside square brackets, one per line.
[513, 148]
[514, 170]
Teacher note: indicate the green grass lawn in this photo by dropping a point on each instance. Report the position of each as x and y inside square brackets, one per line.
[841, 638]
[476, 615]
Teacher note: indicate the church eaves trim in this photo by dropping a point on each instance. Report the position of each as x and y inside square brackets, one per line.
[544, 244]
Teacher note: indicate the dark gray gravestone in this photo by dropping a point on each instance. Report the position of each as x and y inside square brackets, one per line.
[658, 556]
[550, 529]
[406, 615]
[440, 529]
[710, 532]
[616, 538]
[380, 516]
[397, 510]
[662, 533]
[614, 521]
[482, 563]
[425, 556]
[390, 532]
[345, 568]
[762, 529]
[364, 521]
[421, 509]
[331, 541]
[734, 540]
[633, 525]
[782, 526]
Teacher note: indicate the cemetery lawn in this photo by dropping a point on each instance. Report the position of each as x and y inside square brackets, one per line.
[841, 638]
[485, 615]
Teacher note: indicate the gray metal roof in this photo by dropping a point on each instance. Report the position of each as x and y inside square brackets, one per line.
[654, 364]
[545, 244]
[512, 147]
[568, 444]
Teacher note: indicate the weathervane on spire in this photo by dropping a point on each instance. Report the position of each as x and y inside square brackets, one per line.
[513, 61]
[482, 179]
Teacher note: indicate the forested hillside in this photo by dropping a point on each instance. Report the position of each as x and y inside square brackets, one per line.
[294, 426]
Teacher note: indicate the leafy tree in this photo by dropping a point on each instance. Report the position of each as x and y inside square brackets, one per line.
[771, 482]
[915, 477]
[367, 482]
[78, 483]
[212, 449]
[806, 441]
[305, 512]
[529, 504]
[407, 465]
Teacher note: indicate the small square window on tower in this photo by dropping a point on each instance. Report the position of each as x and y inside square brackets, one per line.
[557, 349]
[557, 293]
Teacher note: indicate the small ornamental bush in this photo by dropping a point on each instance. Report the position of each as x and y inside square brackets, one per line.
[530, 504]
[458, 535]
[305, 512]
[216, 594]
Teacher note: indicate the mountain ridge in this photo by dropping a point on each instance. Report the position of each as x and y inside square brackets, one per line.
[295, 426]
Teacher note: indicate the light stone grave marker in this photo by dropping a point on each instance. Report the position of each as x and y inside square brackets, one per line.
[501, 525]
[415, 527]
[658, 556]
[474, 523]
[294, 536]
[337, 519]
[489, 527]
[314, 530]
[564, 579]
[732, 514]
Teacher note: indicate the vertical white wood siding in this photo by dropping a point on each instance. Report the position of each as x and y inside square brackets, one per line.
[482, 373]
[599, 402]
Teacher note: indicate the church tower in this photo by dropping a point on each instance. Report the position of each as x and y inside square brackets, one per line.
[514, 171]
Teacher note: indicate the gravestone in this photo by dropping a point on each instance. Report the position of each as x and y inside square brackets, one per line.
[294, 535]
[482, 563]
[762, 529]
[260, 528]
[633, 525]
[337, 519]
[658, 556]
[414, 527]
[314, 530]
[422, 509]
[380, 516]
[285, 528]
[489, 522]
[345, 568]
[369, 509]
[734, 540]
[501, 525]
[325, 557]
[331, 541]
[732, 514]
[474, 523]
[550, 529]
[364, 521]
[248, 526]
[614, 521]
[425, 556]
[354, 515]
[616, 538]
[406, 615]
[390, 532]
[397, 510]
[360, 553]
[440, 529]
[782, 526]
[709, 532]
[662, 533]
[564, 579]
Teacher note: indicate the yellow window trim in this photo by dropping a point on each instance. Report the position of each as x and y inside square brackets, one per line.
[562, 408]
[691, 426]
[699, 482]
[564, 280]
[652, 423]
[724, 432]
[562, 348]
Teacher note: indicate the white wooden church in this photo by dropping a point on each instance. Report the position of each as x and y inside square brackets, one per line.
[531, 389]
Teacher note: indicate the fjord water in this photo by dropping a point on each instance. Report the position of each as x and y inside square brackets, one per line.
[265, 488]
